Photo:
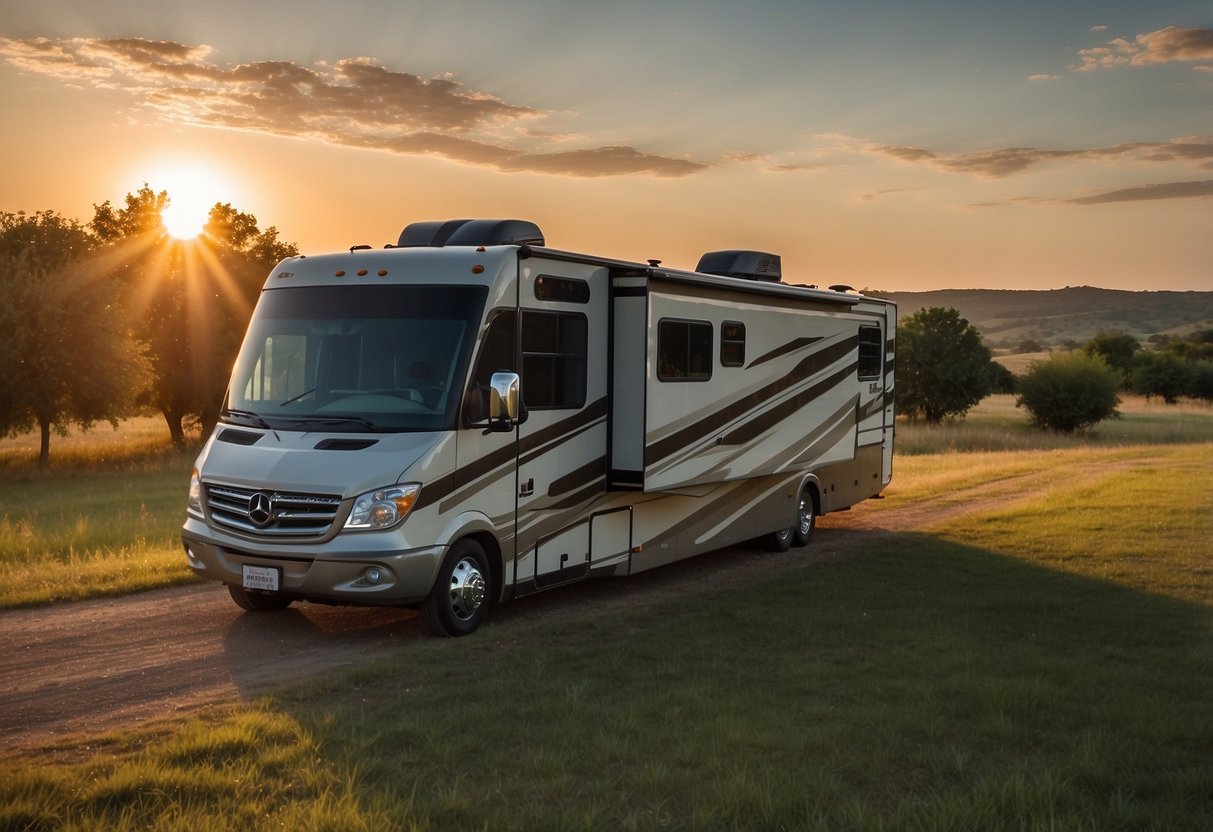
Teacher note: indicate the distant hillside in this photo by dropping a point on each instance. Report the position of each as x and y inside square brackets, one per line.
[1007, 317]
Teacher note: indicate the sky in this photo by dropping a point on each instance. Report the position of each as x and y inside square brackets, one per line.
[889, 145]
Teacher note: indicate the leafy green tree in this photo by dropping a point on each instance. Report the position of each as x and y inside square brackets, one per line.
[1002, 380]
[1069, 391]
[1117, 349]
[1162, 374]
[67, 356]
[1202, 380]
[192, 299]
[943, 366]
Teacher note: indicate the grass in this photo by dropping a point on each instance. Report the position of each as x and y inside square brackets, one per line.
[1041, 664]
[105, 519]
[997, 425]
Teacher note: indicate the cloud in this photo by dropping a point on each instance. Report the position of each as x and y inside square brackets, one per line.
[355, 102]
[1042, 77]
[999, 163]
[875, 195]
[1164, 190]
[1170, 45]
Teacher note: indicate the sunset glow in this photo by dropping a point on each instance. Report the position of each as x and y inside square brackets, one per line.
[898, 147]
[192, 190]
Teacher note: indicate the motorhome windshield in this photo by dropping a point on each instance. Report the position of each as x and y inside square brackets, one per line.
[355, 358]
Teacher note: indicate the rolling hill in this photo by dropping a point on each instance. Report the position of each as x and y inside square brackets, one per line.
[1010, 319]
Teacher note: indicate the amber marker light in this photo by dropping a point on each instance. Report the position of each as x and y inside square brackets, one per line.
[477, 269]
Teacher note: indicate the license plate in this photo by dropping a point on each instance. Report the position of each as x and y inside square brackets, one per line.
[261, 577]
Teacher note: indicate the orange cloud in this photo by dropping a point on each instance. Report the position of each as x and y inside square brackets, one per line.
[354, 102]
[1002, 162]
[1172, 44]
[1164, 190]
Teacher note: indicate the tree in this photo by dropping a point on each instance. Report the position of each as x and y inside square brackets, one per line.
[1117, 350]
[193, 299]
[943, 367]
[1002, 380]
[1069, 391]
[67, 355]
[1162, 374]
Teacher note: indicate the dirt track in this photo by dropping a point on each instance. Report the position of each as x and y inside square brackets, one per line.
[93, 666]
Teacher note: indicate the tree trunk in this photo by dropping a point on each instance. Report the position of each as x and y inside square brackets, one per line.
[44, 453]
[174, 427]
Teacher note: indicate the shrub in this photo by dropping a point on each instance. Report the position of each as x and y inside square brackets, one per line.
[1070, 391]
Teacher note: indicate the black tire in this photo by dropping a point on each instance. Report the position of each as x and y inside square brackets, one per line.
[778, 541]
[257, 601]
[806, 518]
[459, 600]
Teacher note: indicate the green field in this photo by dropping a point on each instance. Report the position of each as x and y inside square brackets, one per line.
[105, 519]
[1034, 654]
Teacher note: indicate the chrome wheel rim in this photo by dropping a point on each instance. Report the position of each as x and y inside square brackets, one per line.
[467, 589]
[804, 515]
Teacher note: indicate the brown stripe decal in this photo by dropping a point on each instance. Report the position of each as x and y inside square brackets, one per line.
[712, 423]
[769, 418]
[791, 346]
[586, 474]
[464, 475]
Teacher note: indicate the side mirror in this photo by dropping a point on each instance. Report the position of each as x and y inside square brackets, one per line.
[503, 400]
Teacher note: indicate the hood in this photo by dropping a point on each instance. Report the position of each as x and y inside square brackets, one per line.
[323, 463]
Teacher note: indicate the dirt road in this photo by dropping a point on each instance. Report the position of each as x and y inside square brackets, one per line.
[93, 666]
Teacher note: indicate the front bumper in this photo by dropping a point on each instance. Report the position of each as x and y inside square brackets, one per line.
[333, 571]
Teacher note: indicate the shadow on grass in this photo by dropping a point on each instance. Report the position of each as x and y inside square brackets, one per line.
[916, 685]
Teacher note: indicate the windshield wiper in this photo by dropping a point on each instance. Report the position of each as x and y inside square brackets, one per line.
[338, 419]
[294, 399]
[247, 414]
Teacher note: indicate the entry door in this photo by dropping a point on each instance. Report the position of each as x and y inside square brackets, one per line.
[563, 440]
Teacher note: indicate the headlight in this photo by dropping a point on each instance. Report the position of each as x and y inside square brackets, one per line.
[194, 501]
[383, 508]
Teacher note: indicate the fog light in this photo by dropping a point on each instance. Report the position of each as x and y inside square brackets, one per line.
[374, 575]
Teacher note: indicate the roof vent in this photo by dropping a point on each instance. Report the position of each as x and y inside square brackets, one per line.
[471, 233]
[751, 265]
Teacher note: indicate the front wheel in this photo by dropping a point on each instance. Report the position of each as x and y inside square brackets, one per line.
[460, 598]
[257, 601]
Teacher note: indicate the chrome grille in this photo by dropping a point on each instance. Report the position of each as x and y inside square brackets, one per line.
[271, 513]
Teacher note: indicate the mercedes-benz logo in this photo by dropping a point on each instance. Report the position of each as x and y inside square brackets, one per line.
[261, 509]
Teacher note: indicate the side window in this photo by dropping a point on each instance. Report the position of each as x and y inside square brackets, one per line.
[553, 360]
[684, 350]
[871, 351]
[497, 354]
[732, 344]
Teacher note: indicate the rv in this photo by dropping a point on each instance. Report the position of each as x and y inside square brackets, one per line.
[468, 416]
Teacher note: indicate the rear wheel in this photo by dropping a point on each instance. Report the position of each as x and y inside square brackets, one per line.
[257, 601]
[460, 598]
[778, 541]
[806, 518]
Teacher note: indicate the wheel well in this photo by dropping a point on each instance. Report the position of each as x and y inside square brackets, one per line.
[496, 572]
[814, 489]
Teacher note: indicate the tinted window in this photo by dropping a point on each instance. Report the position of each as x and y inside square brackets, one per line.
[684, 350]
[355, 358]
[564, 289]
[732, 344]
[553, 360]
[871, 351]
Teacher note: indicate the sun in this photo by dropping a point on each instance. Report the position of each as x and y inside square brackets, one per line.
[185, 219]
[193, 189]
